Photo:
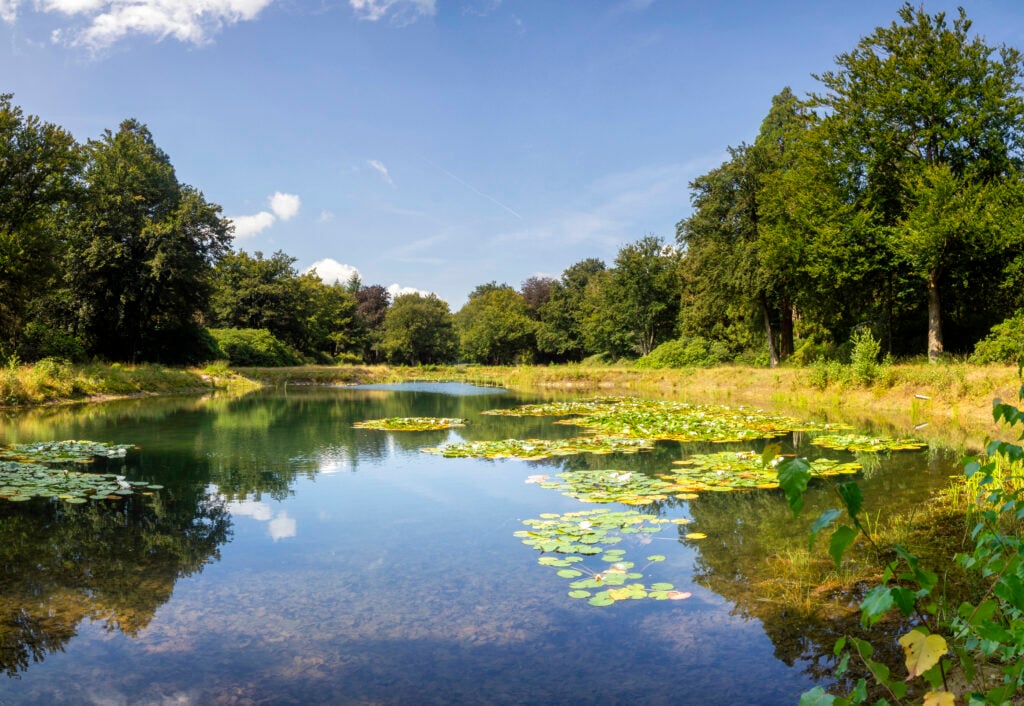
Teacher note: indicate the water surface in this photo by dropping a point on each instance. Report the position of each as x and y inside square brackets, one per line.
[294, 559]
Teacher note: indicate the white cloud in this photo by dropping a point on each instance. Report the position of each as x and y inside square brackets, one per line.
[331, 271]
[248, 226]
[400, 11]
[396, 290]
[285, 206]
[381, 169]
[108, 21]
[326, 216]
[282, 527]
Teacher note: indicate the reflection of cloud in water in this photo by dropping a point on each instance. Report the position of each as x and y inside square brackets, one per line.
[280, 525]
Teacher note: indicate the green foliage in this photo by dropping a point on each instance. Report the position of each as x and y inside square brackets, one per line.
[1004, 344]
[495, 327]
[864, 357]
[253, 347]
[41, 341]
[685, 352]
[980, 644]
[418, 330]
[560, 331]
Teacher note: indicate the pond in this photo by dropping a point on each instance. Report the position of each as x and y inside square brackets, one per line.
[291, 558]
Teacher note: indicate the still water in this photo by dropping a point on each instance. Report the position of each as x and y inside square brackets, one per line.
[292, 559]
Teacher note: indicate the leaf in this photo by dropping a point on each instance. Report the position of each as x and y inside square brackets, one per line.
[922, 651]
[824, 520]
[852, 497]
[939, 698]
[794, 475]
[816, 697]
[841, 540]
[876, 602]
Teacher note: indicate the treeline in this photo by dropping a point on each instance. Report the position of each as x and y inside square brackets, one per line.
[890, 205]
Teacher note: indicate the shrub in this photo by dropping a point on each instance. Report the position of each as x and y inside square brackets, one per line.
[864, 357]
[685, 352]
[1003, 344]
[42, 341]
[253, 347]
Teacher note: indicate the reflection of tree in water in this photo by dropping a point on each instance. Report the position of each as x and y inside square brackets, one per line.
[114, 562]
[755, 555]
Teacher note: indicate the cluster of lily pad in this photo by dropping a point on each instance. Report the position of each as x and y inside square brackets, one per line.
[29, 471]
[566, 541]
[860, 442]
[537, 449]
[739, 470]
[411, 423]
[630, 417]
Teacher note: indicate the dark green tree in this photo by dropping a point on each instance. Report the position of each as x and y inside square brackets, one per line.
[928, 124]
[39, 166]
[419, 330]
[253, 291]
[372, 306]
[495, 327]
[560, 330]
[142, 252]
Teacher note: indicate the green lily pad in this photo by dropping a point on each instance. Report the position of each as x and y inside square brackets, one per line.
[860, 442]
[537, 449]
[411, 423]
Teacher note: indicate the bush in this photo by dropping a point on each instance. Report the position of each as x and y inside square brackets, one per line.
[864, 357]
[685, 352]
[1003, 344]
[253, 347]
[41, 341]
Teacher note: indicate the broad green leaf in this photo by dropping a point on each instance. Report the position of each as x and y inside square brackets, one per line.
[794, 475]
[824, 520]
[841, 540]
[816, 697]
[852, 497]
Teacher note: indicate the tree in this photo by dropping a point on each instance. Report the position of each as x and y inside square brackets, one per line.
[638, 301]
[929, 125]
[418, 330]
[536, 291]
[142, 251]
[560, 331]
[372, 306]
[39, 166]
[257, 292]
[495, 327]
[330, 320]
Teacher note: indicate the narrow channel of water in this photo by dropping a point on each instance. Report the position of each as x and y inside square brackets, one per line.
[293, 559]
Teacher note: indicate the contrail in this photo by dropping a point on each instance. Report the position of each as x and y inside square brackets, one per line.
[472, 188]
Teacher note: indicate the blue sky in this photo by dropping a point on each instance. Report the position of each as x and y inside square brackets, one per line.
[438, 144]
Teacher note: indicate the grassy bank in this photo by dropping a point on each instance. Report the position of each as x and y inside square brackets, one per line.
[51, 382]
[949, 403]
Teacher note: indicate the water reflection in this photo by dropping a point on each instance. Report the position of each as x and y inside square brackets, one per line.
[405, 584]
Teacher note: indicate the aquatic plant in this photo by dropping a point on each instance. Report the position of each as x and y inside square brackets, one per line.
[411, 423]
[536, 449]
[740, 470]
[28, 471]
[567, 541]
[860, 442]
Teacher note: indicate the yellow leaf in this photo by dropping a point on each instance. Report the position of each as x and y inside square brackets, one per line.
[922, 651]
[939, 698]
[696, 535]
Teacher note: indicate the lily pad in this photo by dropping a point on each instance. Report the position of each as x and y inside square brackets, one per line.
[860, 442]
[536, 449]
[738, 470]
[411, 423]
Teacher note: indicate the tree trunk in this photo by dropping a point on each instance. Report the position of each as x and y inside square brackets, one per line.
[773, 354]
[786, 330]
[934, 317]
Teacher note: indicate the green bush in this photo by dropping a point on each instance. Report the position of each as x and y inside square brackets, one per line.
[1003, 344]
[685, 352]
[864, 357]
[41, 341]
[253, 347]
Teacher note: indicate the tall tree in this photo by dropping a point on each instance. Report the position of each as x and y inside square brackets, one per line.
[560, 331]
[419, 330]
[142, 252]
[373, 302]
[39, 166]
[638, 300]
[495, 327]
[929, 123]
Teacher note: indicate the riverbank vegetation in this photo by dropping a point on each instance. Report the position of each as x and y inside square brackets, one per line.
[880, 218]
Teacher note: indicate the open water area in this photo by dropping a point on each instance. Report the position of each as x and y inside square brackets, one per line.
[290, 558]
